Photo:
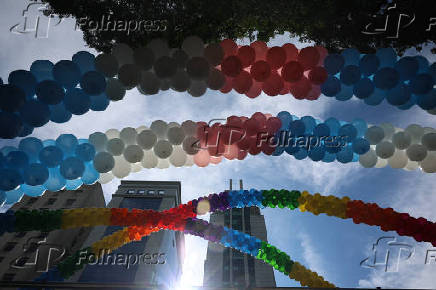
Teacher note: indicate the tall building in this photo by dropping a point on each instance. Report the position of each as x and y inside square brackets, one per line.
[25, 256]
[225, 267]
[164, 250]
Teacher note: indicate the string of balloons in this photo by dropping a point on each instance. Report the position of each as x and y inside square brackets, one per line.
[68, 162]
[55, 92]
[140, 223]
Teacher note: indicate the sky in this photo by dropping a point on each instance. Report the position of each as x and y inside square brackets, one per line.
[330, 246]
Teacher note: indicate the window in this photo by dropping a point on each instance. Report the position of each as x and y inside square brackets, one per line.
[131, 191]
[8, 277]
[174, 244]
[31, 248]
[1, 259]
[31, 200]
[151, 192]
[22, 261]
[43, 208]
[20, 234]
[50, 201]
[161, 192]
[24, 208]
[141, 191]
[69, 202]
[9, 246]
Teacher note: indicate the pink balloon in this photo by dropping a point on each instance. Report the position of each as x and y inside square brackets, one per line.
[202, 158]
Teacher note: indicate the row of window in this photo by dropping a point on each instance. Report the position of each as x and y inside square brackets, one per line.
[142, 191]
[51, 201]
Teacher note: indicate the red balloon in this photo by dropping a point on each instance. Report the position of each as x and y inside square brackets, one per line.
[231, 66]
[255, 147]
[273, 85]
[276, 57]
[322, 54]
[318, 75]
[231, 152]
[243, 82]
[309, 57]
[229, 47]
[268, 148]
[243, 119]
[227, 86]
[292, 71]
[215, 160]
[247, 55]
[314, 93]
[301, 89]
[234, 121]
[260, 71]
[273, 124]
[286, 88]
[232, 133]
[255, 90]
[291, 52]
[260, 118]
[251, 127]
[268, 115]
[244, 144]
[261, 48]
[242, 154]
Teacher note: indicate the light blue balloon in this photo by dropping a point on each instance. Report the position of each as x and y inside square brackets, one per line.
[73, 184]
[85, 151]
[55, 181]
[309, 123]
[329, 157]
[90, 176]
[34, 191]
[49, 142]
[13, 196]
[31, 146]
[334, 126]
[361, 127]
[2, 198]
[285, 118]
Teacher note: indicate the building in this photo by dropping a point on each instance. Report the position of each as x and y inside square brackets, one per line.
[25, 256]
[166, 246]
[225, 267]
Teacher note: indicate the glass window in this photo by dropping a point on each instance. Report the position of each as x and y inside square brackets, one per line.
[1, 259]
[151, 192]
[9, 246]
[32, 200]
[69, 202]
[161, 191]
[141, 191]
[50, 201]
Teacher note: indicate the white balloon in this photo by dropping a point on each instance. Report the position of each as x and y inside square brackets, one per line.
[216, 79]
[115, 146]
[163, 149]
[136, 167]
[133, 153]
[388, 129]
[369, 159]
[144, 58]
[189, 160]
[159, 47]
[402, 140]
[173, 124]
[163, 163]
[123, 53]
[128, 135]
[198, 68]
[129, 75]
[416, 152]
[385, 149]
[180, 82]
[107, 64]
[175, 135]
[428, 165]
[103, 162]
[399, 159]
[193, 46]
[214, 54]
[159, 128]
[374, 135]
[146, 139]
[99, 141]
[115, 90]
[149, 160]
[189, 127]
[415, 132]
[122, 168]
[178, 157]
[105, 177]
[381, 163]
[141, 128]
[112, 133]
[191, 145]
[149, 83]
[429, 130]
[197, 88]
[429, 141]
[165, 67]
[411, 165]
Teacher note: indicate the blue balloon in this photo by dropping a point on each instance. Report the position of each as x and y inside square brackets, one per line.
[423, 63]
[67, 143]
[66, 73]
[386, 78]
[31, 146]
[73, 184]
[93, 83]
[364, 88]
[321, 130]
[9, 179]
[56, 181]
[309, 124]
[2, 198]
[345, 94]
[345, 155]
[350, 75]
[72, 168]
[361, 127]
[85, 152]
[333, 144]
[349, 131]
[369, 64]
[42, 70]
[10, 125]
[412, 101]
[331, 86]
[333, 63]
[50, 92]
[278, 150]
[12, 98]
[35, 113]
[1, 81]
[77, 101]
[7, 149]
[301, 153]
[24, 80]
[51, 156]
[399, 95]
[34, 191]
[297, 128]
[286, 119]
[317, 153]
[376, 97]
[387, 57]
[35, 174]
[13, 196]
[99, 102]
[49, 142]
[427, 101]
[407, 67]
[25, 131]
[351, 56]
[329, 157]
[59, 114]
[85, 61]
[334, 125]
[90, 176]
[422, 84]
[361, 146]
[17, 160]
[2, 160]
[432, 71]
[292, 147]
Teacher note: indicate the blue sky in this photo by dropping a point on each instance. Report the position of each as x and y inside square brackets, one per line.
[330, 246]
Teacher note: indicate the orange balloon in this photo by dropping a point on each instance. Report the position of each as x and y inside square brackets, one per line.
[273, 85]
[247, 55]
[318, 75]
[243, 82]
[301, 89]
[261, 48]
[291, 52]
[231, 66]
[309, 57]
[292, 71]
[229, 46]
[202, 158]
[260, 71]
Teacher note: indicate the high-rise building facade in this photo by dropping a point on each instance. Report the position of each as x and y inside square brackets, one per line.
[157, 259]
[225, 267]
[25, 256]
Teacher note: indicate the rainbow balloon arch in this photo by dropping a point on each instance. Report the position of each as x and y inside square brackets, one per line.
[140, 223]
